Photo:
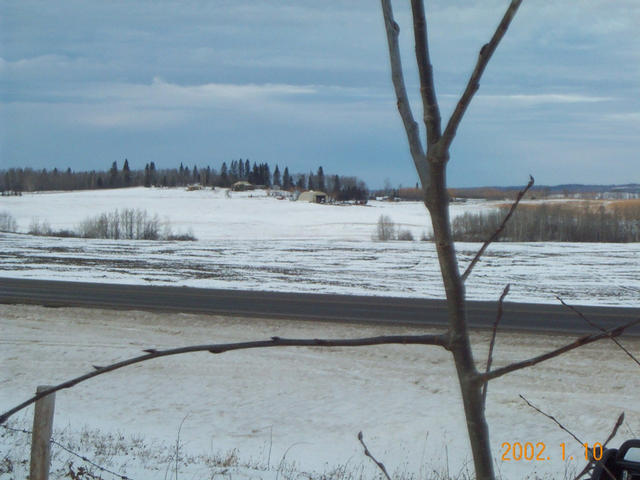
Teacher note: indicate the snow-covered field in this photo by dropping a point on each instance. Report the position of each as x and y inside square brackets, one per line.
[303, 405]
[289, 411]
[251, 241]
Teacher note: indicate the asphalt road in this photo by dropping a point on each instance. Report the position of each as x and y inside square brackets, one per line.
[304, 306]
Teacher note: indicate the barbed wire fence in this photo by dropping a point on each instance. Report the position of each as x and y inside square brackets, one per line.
[72, 452]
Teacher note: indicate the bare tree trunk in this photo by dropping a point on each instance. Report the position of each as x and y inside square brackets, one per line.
[437, 202]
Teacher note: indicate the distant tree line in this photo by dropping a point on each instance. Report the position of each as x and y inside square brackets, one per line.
[554, 223]
[13, 181]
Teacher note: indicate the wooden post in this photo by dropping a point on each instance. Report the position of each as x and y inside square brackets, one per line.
[40, 438]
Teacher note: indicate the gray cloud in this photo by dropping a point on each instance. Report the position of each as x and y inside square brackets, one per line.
[307, 83]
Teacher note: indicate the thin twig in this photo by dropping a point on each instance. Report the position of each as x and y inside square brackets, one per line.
[397, 77]
[474, 81]
[551, 417]
[494, 332]
[598, 327]
[586, 469]
[368, 454]
[585, 340]
[618, 424]
[497, 233]
[440, 340]
[592, 463]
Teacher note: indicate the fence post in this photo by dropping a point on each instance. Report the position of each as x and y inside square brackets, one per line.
[40, 438]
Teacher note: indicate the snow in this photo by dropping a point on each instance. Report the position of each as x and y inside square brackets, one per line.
[219, 214]
[303, 405]
[249, 240]
[307, 403]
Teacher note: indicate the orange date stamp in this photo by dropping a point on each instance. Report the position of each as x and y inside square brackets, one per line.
[538, 452]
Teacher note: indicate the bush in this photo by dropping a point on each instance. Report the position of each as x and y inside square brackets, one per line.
[553, 223]
[128, 224]
[386, 229]
[7, 222]
[44, 229]
[405, 235]
[39, 228]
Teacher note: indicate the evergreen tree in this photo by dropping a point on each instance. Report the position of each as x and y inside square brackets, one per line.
[181, 174]
[267, 175]
[311, 183]
[126, 173]
[241, 174]
[152, 173]
[113, 174]
[286, 179]
[276, 176]
[261, 174]
[224, 175]
[247, 169]
[254, 177]
[196, 174]
[147, 176]
[320, 180]
[301, 181]
[336, 186]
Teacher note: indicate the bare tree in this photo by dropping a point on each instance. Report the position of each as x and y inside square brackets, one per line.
[386, 229]
[431, 167]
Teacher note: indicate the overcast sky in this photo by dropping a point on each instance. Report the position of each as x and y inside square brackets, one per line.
[307, 83]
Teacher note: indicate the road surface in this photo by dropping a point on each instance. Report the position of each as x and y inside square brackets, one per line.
[304, 306]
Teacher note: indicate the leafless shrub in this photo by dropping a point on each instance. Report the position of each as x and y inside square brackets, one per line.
[553, 223]
[386, 229]
[38, 227]
[181, 237]
[7, 222]
[128, 224]
[405, 235]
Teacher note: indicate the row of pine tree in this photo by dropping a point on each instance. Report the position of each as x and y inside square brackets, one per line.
[17, 180]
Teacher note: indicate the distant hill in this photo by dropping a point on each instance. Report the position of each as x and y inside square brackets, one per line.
[568, 190]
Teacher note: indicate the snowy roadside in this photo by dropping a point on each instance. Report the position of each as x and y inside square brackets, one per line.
[307, 403]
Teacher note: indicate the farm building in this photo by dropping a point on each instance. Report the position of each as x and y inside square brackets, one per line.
[313, 196]
[242, 186]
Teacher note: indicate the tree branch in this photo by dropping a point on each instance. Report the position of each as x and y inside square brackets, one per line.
[497, 233]
[585, 340]
[397, 77]
[586, 469]
[440, 340]
[618, 424]
[368, 454]
[591, 464]
[505, 292]
[431, 111]
[598, 327]
[551, 417]
[474, 81]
